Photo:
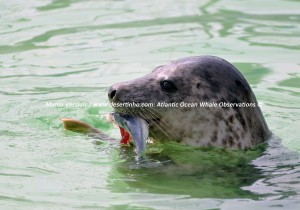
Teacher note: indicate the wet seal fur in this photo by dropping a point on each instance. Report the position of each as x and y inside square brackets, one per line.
[194, 80]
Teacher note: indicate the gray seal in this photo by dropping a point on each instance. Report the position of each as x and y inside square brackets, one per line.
[197, 101]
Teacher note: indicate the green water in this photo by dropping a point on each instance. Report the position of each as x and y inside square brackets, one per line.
[64, 51]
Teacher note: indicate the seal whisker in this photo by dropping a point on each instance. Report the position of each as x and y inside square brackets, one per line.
[161, 128]
[162, 125]
[155, 136]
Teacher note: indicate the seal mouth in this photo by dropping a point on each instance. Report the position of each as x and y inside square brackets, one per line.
[151, 116]
[159, 129]
[134, 128]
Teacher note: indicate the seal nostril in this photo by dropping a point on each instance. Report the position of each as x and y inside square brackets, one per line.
[112, 94]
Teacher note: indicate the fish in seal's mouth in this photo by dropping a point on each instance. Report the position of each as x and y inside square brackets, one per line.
[131, 128]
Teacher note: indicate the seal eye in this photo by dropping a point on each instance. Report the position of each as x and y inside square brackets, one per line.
[168, 87]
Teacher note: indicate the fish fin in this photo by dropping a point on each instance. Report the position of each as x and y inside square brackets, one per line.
[78, 126]
[82, 127]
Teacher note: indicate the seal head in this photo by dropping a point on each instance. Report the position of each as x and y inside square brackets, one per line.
[198, 101]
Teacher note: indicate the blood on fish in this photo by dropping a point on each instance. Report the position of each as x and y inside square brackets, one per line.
[125, 136]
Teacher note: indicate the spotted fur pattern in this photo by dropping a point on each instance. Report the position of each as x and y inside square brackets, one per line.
[198, 79]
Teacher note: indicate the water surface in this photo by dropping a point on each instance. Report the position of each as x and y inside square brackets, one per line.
[65, 51]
